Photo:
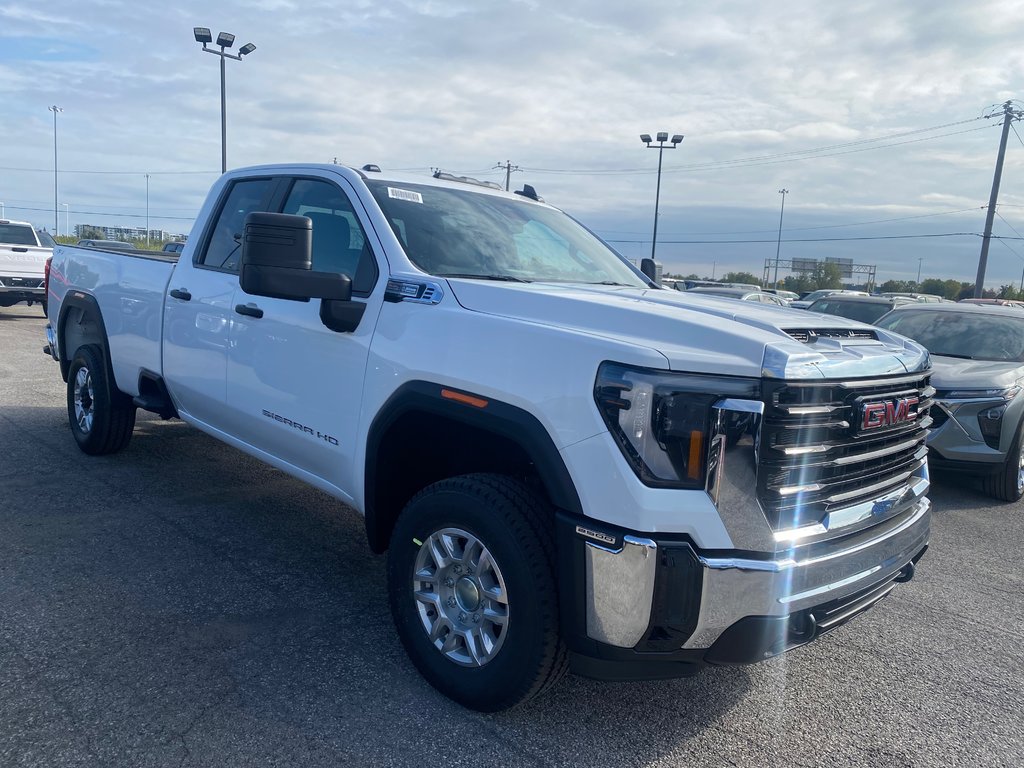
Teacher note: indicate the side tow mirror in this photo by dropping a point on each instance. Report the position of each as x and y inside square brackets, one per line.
[277, 261]
[652, 269]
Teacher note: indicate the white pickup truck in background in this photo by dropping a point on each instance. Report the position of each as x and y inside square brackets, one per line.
[22, 264]
[565, 463]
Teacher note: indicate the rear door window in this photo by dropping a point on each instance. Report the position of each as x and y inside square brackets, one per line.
[224, 245]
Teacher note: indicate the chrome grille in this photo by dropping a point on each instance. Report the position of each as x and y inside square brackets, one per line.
[816, 457]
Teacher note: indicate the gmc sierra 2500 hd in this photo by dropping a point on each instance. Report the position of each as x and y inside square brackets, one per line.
[565, 463]
[22, 261]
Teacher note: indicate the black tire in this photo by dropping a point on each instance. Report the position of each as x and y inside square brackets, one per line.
[92, 393]
[1006, 484]
[515, 527]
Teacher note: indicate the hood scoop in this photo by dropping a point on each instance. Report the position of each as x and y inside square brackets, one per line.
[812, 335]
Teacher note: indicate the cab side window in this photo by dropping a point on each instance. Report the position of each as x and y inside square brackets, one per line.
[339, 241]
[224, 247]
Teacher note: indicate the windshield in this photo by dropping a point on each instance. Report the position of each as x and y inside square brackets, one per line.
[461, 233]
[969, 335]
[17, 234]
[864, 311]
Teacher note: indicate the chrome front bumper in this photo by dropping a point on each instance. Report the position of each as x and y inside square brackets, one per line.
[620, 580]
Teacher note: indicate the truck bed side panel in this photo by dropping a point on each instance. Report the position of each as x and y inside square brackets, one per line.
[129, 288]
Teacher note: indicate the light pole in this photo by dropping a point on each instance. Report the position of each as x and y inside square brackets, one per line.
[55, 109]
[778, 243]
[661, 147]
[67, 220]
[225, 40]
[147, 209]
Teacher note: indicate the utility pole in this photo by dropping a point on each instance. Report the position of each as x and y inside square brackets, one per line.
[919, 260]
[1009, 115]
[56, 223]
[147, 209]
[507, 165]
[778, 244]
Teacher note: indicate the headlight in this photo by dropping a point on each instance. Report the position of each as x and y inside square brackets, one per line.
[1005, 393]
[663, 421]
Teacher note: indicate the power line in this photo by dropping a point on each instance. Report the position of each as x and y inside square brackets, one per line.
[821, 226]
[108, 213]
[813, 240]
[823, 151]
[746, 162]
[114, 173]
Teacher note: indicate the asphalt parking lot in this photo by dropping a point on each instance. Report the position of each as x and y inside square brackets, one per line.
[181, 604]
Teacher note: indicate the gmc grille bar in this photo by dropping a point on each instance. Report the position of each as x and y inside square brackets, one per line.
[819, 452]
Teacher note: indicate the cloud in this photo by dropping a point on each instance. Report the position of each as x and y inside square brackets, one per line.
[556, 90]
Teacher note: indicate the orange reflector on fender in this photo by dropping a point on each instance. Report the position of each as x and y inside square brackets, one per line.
[462, 397]
[696, 443]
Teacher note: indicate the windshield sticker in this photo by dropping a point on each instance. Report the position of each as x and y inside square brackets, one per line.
[405, 194]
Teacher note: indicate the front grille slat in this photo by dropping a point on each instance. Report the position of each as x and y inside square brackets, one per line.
[815, 457]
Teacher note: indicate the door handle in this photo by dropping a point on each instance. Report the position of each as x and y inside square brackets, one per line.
[181, 293]
[251, 310]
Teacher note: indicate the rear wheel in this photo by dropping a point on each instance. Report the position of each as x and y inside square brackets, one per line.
[101, 416]
[1008, 483]
[471, 581]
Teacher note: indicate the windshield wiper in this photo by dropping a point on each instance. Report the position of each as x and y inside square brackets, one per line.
[502, 278]
[950, 354]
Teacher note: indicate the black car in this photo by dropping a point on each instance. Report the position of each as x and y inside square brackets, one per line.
[866, 309]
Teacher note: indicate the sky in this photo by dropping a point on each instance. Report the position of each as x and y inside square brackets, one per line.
[881, 118]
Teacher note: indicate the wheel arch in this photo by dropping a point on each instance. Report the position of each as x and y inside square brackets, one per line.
[431, 436]
[80, 322]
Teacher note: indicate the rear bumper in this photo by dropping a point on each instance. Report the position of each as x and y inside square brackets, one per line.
[15, 289]
[640, 607]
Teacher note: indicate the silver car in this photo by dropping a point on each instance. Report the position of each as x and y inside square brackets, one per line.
[978, 372]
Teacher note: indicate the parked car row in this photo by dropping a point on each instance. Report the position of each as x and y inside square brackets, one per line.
[977, 349]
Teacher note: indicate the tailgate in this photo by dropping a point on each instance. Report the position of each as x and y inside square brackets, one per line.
[23, 260]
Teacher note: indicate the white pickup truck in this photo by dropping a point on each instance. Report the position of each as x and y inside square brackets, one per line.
[568, 465]
[22, 264]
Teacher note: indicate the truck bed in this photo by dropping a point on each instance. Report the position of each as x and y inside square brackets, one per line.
[129, 287]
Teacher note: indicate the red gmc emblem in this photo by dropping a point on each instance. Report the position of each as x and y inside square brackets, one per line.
[888, 413]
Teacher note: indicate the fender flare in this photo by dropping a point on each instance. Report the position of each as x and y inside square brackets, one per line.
[497, 417]
[76, 299]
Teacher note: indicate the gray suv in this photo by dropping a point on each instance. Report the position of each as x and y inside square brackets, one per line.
[978, 372]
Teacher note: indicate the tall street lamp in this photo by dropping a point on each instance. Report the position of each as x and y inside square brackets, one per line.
[225, 40]
[778, 244]
[55, 109]
[661, 147]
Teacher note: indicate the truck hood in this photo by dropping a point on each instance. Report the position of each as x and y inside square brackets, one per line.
[701, 333]
[954, 373]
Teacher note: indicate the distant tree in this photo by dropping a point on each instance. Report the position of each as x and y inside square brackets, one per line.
[798, 284]
[826, 275]
[898, 286]
[741, 277]
[933, 285]
[953, 288]
[1008, 292]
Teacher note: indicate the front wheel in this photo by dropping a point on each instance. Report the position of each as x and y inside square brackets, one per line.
[101, 416]
[471, 581]
[1008, 483]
